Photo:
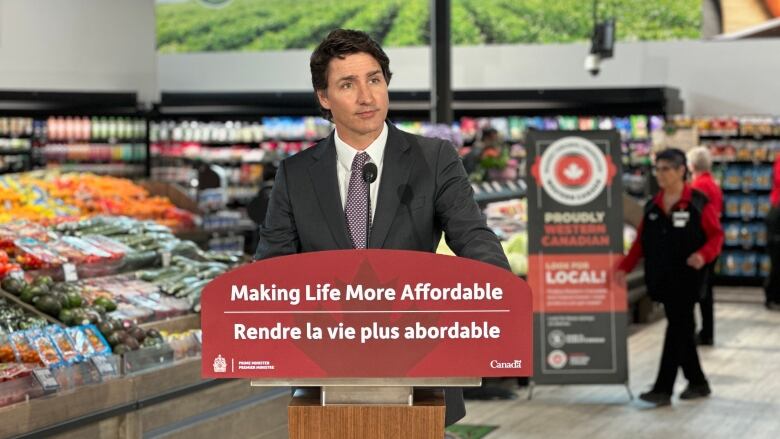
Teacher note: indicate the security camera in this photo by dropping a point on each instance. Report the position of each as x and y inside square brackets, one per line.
[593, 64]
[602, 45]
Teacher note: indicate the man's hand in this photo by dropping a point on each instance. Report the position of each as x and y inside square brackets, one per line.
[620, 278]
[696, 261]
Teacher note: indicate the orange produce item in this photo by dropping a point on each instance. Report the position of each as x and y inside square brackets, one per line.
[773, 6]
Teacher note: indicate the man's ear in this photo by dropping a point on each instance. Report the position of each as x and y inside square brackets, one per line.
[322, 95]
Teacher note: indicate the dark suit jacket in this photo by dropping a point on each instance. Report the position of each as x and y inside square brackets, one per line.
[423, 192]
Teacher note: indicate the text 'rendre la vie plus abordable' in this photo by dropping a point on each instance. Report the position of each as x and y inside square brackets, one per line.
[326, 292]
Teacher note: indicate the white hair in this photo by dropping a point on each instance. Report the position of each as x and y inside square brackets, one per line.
[699, 159]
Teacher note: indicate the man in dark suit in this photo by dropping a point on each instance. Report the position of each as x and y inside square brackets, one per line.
[319, 197]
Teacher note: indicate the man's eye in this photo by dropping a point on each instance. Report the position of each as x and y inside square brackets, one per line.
[346, 85]
[375, 80]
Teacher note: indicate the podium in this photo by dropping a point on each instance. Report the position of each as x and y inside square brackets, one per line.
[359, 408]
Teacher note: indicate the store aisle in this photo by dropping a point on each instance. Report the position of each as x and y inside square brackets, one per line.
[742, 368]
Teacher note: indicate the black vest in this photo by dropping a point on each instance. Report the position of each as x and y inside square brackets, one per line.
[667, 242]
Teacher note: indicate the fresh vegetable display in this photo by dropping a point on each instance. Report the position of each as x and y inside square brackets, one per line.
[14, 318]
[51, 197]
[185, 278]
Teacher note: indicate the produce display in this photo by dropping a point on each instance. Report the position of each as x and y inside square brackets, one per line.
[50, 198]
[185, 278]
[14, 318]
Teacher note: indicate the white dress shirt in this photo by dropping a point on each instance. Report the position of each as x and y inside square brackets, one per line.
[346, 153]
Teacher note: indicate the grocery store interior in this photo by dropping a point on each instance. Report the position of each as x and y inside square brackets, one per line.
[139, 140]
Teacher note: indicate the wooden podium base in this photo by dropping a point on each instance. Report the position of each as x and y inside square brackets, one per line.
[307, 419]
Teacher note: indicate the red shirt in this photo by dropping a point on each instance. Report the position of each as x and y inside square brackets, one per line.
[706, 185]
[710, 223]
[774, 196]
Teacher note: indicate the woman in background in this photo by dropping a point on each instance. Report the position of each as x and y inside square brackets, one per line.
[679, 234]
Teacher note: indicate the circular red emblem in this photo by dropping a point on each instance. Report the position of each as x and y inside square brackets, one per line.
[573, 170]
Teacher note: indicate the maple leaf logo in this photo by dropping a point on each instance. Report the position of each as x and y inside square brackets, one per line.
[337, 357]
[573, 172]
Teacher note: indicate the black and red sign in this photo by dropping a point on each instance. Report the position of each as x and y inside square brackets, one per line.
[366, 313]
[575, 237]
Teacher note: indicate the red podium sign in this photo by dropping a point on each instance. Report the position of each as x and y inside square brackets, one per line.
[366, 313]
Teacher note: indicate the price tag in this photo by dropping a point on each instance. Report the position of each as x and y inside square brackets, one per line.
[104, 366]
[476, 188]
[487, 187]
[512, 185]
[497, 186]
[46, 380]
[199, 336]
[166, 259]
[71, 275]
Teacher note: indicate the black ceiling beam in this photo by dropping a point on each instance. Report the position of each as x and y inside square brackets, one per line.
[34, 103]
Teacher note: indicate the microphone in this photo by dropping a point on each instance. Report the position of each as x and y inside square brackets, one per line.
[369, 176]
[369, 172]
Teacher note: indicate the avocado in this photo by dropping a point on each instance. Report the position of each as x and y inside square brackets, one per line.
[63, 299]
[106, 328]
[48, 304]
[116, 338]
[74, 299]
[138, 334]
[13, 285]
[131, 343]
[98, 309]
[43, 280]
[27, 294]
[106, 303]
[66, 317]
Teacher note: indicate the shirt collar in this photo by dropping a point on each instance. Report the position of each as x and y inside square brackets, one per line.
[685, 197]
[376, 150]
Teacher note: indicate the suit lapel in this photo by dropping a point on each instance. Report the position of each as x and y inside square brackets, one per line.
[396, 167]
[326, 186]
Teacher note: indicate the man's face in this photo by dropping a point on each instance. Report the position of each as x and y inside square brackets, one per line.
[356, 96]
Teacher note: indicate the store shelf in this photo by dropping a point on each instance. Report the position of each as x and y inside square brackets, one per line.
[141, 403]
[490, 192]
[15, 152]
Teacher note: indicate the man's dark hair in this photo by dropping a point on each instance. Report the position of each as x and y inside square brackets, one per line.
[338, 44]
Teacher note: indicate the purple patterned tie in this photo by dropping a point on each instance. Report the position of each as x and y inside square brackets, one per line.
[356, 207]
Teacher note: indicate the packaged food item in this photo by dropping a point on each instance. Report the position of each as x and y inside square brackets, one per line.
[748, 179]
[63, 344]
[761, 152]
[731, 234]
[761, 234]
[732, 179]
[763, 178]
[80, 341]
[45, 347]
[96, 340]
[731, 204]
[746, 238]
[7, 350]
[749, 265]
[11, 371]
[764, 265]
[33, 255]
[744, 151]
[25, 352]
[763, 206]
[9, 232]
[732, 263]
[748, 207]
[116, 249]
